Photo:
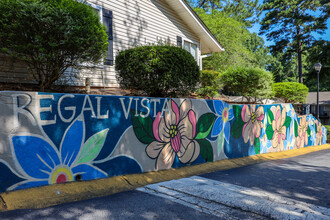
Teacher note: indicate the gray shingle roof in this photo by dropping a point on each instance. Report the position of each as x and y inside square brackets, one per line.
[324, 98]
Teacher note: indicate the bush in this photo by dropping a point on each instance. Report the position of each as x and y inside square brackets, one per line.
[157, 70]
[51, 36]
[291, 92]
[251, 83]
[210, 83]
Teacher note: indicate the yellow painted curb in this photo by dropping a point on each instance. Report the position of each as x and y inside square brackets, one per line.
[45, 196]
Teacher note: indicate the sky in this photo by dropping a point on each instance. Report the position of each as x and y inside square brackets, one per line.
[326, 36]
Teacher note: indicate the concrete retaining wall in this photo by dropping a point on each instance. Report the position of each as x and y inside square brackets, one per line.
[48, 138]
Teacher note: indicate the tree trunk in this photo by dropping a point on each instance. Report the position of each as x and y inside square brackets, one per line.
[299, 52]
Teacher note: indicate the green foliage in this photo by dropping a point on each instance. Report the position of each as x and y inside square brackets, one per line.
[210, 83]
[51, 36]
[318, 53]
[157, 70]
[291, 92]
[251, 83]
[204, 125]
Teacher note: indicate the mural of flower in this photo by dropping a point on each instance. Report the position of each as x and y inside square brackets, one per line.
[319, 133]
[42, 163]
[225, 114]
[302, 138]
[175, 136]
[253, 122]
[279, 127]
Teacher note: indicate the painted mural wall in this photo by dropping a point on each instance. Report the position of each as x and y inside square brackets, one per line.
[48, 138]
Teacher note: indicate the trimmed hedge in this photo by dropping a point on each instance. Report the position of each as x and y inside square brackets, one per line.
[291, 92]
[210, 83]
[328, 132]
[157, 70]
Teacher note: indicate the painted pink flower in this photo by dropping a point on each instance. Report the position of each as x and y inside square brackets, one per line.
[174, 134]
[278, 127]
[302, 138]
[253, 122]
[319, 134]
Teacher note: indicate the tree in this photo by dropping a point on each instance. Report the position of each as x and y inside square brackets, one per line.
[245, 11]
[291, 92]
[291, 24]
[51, 36]
[251, 83]
[233, 36]
[319, 52]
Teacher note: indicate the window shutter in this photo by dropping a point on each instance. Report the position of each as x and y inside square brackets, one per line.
[179, 41]
[107, 21]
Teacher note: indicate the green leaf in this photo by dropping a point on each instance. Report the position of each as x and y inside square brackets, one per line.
[269, 132]
[237, 128]
[220, 141]
[295, 128]
[309, 131]
[270, 116]
[257, 145]
[287, 122]
[206, 150]
[315, 126]
[204, 125]
[237, 111]
[142, 127]
[92, 147]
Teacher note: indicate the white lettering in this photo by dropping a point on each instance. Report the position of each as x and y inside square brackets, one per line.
[71, 108]
[47, 109]
[90, 108]
[126, 110]
[165, 107]
[99, 116]
[146, 107]
[17, 109]
[155, 101]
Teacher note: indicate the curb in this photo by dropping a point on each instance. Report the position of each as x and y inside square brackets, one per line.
[45, 196]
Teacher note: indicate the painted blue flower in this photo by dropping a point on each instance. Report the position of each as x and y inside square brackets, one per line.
[225, 114]
[41, 163]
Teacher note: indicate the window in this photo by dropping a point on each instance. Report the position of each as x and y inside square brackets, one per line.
[106, 18]
[191, 48]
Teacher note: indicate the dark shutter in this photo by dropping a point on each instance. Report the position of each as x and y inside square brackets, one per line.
[107, 21]
[179, 41]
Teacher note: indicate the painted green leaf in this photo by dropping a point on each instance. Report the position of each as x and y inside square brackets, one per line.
[269, 132]
[220, 141]
[206, 150]
[257, 145]
[270, 116]
[309, 131]
[142, 127]
[315, 126]
[237, 128]
[237, 111]
[92, 147]
[204, 125]
[287, 122]
[295, 128]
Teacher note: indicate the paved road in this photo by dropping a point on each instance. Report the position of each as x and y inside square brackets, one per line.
[293, 188]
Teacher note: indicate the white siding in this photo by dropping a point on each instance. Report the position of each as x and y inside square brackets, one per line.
[137, 22]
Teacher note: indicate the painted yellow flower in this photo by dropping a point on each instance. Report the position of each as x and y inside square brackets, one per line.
[319, 134]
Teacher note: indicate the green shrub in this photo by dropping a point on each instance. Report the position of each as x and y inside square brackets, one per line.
[157, 70]
[51, 36]
[291, 92]
[251, 83]
[210, 83]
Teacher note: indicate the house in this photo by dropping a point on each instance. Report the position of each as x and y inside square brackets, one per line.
[131, 23]
[324, 105]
